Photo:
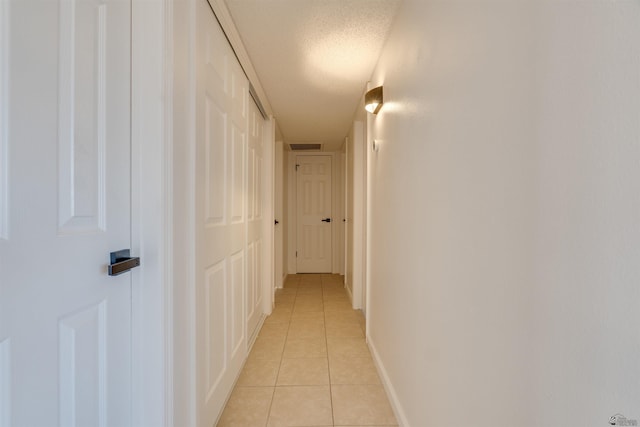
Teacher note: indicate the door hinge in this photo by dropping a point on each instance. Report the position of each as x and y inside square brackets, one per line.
[297, 167]
[296, 254]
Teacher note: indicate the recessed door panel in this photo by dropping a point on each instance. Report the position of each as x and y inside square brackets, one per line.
[251, 278]
[216, 171]
[5, 381]
[258, 186]
[257, 284]
[216, 332]
[236, 302]
[83, 367]
[4, 105]
[82, 116]
[238, 194]
[251, 182]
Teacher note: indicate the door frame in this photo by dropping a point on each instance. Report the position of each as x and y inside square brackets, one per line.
[356, 234]
[292, 197]
[152, 210]
[278, 214]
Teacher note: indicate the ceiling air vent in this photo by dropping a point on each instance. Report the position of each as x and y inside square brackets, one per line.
[305, 147]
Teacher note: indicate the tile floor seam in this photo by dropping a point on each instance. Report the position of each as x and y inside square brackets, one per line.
[333, 418]
[266, 423]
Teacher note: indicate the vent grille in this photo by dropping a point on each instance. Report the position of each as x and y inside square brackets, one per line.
[305, 147]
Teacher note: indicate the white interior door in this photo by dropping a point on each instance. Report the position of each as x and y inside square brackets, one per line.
[221, 212]
[65, 325]
[278, 211]
[255, 210]
[314, 222]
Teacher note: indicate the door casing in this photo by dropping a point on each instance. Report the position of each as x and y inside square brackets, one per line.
[152, 211]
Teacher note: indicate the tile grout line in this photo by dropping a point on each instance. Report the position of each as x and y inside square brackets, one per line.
[327, 288]
[275, 386]
[326, 343]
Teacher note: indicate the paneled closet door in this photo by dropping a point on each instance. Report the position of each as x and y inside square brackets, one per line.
[220, 215]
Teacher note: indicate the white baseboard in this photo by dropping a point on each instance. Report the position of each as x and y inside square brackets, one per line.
[388, 386]
[349, 293]
[254, 336]
[281, 284]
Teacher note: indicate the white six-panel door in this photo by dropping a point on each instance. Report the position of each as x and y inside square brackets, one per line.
[65, 325]
[313, 181]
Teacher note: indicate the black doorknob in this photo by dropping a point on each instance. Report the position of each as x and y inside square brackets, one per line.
[326, 220]
[277, 222]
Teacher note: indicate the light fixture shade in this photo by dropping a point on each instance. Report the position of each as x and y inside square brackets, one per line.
[373, 100]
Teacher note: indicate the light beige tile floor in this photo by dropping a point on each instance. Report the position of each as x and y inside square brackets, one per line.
[310, 365]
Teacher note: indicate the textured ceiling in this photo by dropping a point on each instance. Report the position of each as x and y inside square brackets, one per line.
[313, 59]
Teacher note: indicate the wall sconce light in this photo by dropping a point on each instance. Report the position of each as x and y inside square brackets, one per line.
[373, 100]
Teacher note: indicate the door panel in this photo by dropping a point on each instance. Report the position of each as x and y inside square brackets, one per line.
[82, 343]
[215, 279]
[255, 220]
[65, 325]
[314, 205]
[215, 165]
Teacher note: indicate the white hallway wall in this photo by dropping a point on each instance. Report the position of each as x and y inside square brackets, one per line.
[505, 211]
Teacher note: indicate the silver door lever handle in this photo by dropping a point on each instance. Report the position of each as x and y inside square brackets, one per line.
[121, 262]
